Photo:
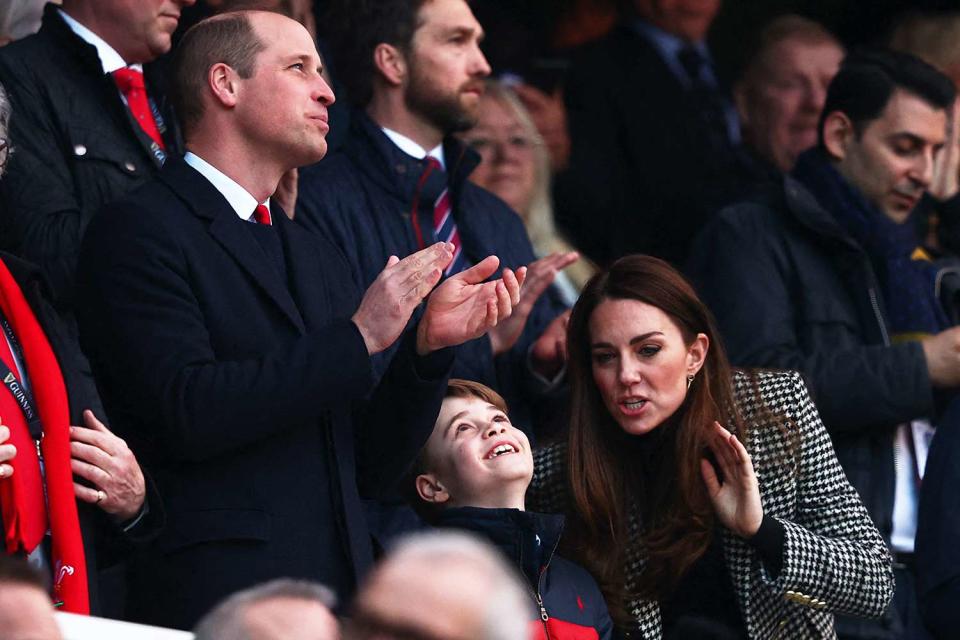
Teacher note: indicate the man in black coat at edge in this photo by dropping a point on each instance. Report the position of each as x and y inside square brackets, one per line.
[233, 349]
[655, 141]
[823, 273]
[82, 138]
[113, 508]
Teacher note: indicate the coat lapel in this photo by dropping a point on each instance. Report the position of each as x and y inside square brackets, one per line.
[227, 229]
[306, 271]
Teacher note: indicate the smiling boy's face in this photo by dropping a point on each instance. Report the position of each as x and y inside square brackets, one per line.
[475, 457]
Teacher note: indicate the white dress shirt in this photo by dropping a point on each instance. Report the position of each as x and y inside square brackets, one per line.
[411, 148]
[239, 198]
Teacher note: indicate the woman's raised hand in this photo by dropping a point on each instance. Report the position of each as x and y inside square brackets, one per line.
[736, 499]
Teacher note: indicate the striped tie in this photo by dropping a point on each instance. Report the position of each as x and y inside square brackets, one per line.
[443, 223]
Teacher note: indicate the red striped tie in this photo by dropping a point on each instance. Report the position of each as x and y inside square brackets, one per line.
[443, 223]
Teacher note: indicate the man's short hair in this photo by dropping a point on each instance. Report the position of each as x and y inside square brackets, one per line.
[867, 79]
[456, 388]
[16, 570]
[354, 28]
[227, 620]
[459, 388]
[504, 607]
[785, 27]
[228, 38]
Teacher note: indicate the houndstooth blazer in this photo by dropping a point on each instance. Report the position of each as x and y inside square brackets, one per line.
[834, 558]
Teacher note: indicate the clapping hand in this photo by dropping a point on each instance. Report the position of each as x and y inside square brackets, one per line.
[946, 166]
[736, 500]
[391, 299]
[540, 275]
[464, 307]
[549, 352]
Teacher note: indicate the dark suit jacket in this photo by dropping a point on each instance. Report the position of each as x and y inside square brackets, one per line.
[360, 200]
[641, 178]
[938, 530]
[241, 391]
[76, 147]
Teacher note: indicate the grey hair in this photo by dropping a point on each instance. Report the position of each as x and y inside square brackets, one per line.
[5, 110]
[508, 610]
[226, 621]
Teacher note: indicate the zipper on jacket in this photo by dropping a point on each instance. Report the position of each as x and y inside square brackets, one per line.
[876, 312]
[543, 616]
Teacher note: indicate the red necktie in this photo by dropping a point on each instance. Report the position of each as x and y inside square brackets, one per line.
[130, 83]
[262, 215]
[443, 223]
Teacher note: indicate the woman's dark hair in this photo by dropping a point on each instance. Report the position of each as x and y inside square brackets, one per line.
[354, 28]
[603, 474]
[867, 79]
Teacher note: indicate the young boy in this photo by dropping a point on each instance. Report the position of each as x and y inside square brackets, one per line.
[472, 474]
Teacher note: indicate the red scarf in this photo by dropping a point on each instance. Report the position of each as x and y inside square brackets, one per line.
[21, 495]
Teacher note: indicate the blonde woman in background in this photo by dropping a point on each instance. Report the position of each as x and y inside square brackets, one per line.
[515, 166]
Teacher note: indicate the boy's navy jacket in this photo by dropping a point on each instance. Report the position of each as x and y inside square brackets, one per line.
[574, 606]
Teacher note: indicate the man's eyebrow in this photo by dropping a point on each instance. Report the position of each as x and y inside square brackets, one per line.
[462, 30]
[305, 58]
[906, 135]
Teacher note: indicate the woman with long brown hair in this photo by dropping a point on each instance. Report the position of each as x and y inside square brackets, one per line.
[707, 502]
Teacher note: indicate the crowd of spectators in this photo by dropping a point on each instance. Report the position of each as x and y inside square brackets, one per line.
[360, 319]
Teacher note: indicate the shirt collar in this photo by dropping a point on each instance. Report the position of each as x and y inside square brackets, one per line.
[239, 198]
[411, 148]
[109, 58]
[669, 46]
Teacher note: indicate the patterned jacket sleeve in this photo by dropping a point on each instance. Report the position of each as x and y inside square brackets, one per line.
[834, 557]
[547, 492]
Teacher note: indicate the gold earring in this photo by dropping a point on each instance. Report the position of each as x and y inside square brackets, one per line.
[689, 380]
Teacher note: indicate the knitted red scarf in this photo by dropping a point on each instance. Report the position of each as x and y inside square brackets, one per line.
[21, 495]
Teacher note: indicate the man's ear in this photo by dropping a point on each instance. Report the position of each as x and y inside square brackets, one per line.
[391, 63]
[837, 134]
[430, 489]
[224, 84]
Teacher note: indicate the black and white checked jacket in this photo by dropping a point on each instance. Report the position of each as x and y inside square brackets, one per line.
[834, 558]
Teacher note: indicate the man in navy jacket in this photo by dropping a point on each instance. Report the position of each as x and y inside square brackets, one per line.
[376, 197]
[230, 347]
